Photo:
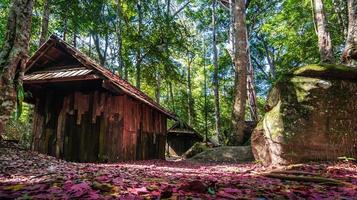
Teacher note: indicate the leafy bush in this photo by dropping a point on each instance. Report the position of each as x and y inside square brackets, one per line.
[20, 128]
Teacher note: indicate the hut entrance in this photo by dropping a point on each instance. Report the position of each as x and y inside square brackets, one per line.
[51, 108]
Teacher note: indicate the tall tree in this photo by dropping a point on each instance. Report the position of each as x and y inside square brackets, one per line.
[205, 92]
[190, 101]
[13, 56]
[138, 59]
[119, 28]
[240, 65]
[323, 34]
[215, 74]
[349, 55]
[101, 55]
[340, 7]
[45, 21]
[158, 86]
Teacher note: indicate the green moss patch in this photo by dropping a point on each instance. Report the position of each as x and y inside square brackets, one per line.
[327, 71]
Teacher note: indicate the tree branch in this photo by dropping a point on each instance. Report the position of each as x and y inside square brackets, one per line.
[260, 67]
[180, 9]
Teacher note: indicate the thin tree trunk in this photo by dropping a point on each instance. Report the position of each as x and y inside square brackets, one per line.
[215, 75]
[158, 88]
[75, 34]
[241, 63]
[172, 97]
[340, 8]
[105, 49]
[271, 64]
[323, 34]
[126, 73]
[102, 56]
[349, 55]
[65, 21]
[13, 56]
[45, 21]
[189, 94]
[90, 45]
[119, 37]
[250, 85]
[138, 52]
[205, 91]
[231, 30]
[251, 90]
[138, 74]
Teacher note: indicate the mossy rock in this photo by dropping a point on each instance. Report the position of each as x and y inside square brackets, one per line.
[311, 115]
[197, 148]
[225, 154]
[327, 71]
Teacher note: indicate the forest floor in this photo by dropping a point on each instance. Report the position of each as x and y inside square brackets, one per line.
[29, 175]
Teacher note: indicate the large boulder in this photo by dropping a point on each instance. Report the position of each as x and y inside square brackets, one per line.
[225, 154]
[311, 116]
[197, 148]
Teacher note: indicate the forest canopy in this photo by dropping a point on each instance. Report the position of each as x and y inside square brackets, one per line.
[167, 49]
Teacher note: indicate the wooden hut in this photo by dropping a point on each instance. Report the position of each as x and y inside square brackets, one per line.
[83, 112]
[181, 137]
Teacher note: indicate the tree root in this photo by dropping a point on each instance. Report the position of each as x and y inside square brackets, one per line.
[42, 175]
[296, 172]
[314, 179]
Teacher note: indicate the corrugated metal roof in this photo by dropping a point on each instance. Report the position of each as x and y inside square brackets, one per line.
[54, 74]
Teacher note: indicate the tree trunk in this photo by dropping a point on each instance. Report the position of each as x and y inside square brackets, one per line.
[119, 37]
[349, 55]
[215, 75]
[75, 34]
[205, 91]
[102, 56]
[65, 26]
[158, 88]
[241, 63]
[13, 56]
[90, 45]
[272, 68]
[172, 97]
[126, 73]
[231, 48]
[252, 97]
[340, 8]
[45, 20]
[323, 34]
[138, 52]
[189, 94]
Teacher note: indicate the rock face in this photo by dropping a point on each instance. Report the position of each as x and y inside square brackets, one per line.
[311, 116]
[197, 148]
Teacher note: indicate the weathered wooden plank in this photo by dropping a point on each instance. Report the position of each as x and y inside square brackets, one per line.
[95, 105]
[102, 138]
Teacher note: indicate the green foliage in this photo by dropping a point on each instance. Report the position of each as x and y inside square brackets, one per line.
[281, 37]
[20, 128]
[4, 5]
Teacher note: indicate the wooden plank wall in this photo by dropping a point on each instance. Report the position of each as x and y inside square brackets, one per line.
[98, 126]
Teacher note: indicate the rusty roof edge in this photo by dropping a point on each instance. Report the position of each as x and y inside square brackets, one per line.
[178, 122]
[60, 70]
[84, 59]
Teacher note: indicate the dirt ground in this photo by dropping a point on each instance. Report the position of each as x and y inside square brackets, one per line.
[29, 175]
